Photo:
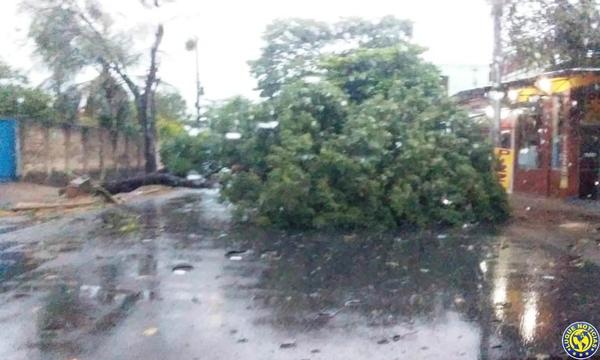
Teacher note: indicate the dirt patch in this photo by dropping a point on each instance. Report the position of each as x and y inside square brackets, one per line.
[13, 192]
[546, 210]
[538, 221]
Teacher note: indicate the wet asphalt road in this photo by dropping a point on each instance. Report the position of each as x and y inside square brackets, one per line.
[169, 278]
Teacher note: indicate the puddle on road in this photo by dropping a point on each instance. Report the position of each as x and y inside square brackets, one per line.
[13, 263]
[236, 255]
[518, 298]
[182, 269]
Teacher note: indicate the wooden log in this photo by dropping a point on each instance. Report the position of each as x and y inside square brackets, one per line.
[104, 193]
[127, 185]
[22, 206]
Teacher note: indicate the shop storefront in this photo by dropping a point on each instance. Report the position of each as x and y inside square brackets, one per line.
[550, 132]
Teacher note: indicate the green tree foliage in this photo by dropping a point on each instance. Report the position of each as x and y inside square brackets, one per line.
[234, 114]
[108, 103]
[24, 102]
[66, 105]
[171, 105]
[10, 75]
[374, 142]
[183, 152]
[213, 149]
[72, 35]
[19, 100]
[294, 45]
[5, 71]
[171, 114]
[369, 139]
[552, 34]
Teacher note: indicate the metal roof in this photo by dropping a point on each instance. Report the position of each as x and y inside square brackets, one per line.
[480, 91]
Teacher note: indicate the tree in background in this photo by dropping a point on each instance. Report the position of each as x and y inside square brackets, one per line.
[109, 103]
[170, 104]
[552, 34]
[293, 46]
[10, 75]
[180, 151]
[72, 35]
[171, 114]
[24, 102]
[17, 99]
[232, 115]
[210, 150]
[66, 104]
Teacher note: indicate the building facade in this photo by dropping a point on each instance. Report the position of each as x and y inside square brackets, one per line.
[550, 130]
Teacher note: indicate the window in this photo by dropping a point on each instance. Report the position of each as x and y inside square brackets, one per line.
[530, 140]
[505, 139]
[558, 116]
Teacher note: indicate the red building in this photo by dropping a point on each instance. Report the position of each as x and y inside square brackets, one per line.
[550, 130]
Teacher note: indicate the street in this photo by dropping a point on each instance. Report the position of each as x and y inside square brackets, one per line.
[168, 277]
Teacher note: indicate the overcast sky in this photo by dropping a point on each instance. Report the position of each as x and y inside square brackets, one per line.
[458, 34]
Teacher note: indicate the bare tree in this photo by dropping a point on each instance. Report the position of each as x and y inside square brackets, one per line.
[144, 100]
[70, 36]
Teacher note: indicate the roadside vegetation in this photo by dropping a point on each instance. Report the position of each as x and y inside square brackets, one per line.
[353, 130]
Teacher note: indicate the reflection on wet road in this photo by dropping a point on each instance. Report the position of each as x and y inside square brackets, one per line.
[171, 279]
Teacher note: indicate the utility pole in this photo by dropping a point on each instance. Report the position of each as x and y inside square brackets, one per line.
[190, 45]
[497, 93]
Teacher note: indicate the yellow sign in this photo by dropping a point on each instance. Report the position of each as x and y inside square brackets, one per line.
[505, 167]
[558, 85]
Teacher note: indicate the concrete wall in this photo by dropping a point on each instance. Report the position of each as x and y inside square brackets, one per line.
[53, 155]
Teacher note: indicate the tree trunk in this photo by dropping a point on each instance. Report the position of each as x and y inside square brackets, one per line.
[147, 124]
[152, 128]
[150, 148]
[147, 103]
[114, 142]
[127, 185]
[143, 102]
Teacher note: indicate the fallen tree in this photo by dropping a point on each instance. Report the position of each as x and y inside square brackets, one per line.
[157, 178]
[373, 143]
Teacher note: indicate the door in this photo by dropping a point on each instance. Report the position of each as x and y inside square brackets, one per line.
[8, 158]
[589, 162]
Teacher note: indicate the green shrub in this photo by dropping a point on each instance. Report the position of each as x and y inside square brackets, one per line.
[23, 102]
[183, 153]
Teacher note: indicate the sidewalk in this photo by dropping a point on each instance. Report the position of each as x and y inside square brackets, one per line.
[571, 226]
[13, 192]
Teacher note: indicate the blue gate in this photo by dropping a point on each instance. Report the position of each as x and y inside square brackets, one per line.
[8, 158]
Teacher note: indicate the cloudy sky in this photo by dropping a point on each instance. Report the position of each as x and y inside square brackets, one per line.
[458, 34]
